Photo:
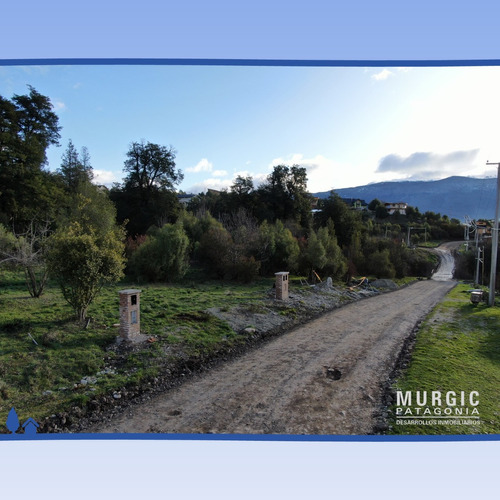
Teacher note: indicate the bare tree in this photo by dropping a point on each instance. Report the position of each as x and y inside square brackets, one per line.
[26, 251]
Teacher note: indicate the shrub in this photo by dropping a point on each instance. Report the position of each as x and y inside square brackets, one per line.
[83, 262]
[163, 256]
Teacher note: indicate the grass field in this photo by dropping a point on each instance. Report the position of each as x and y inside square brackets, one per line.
[49, 362]
[457, 349]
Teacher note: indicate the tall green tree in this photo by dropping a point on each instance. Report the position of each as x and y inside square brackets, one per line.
[147, 197]
[284, 195]
[87, 250]
[336, 264]
[28, 126]
[242, 185]
[150, 167]
[75, 167]
[346, 221]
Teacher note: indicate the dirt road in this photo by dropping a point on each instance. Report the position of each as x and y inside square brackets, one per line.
[447, 263]
[321, 378]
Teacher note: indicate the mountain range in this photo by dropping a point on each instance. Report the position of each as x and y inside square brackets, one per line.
[455, 196]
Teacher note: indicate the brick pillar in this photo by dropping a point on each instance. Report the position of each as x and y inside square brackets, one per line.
[130, 314]
[281, 285]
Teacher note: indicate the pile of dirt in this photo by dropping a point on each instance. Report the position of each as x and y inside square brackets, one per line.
[303, 304]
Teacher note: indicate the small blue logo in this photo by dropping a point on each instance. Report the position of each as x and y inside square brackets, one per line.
[30, 426]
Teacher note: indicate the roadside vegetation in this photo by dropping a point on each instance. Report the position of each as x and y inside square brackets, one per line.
[457, 349]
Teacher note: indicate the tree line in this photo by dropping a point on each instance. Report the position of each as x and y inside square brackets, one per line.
[61, 224]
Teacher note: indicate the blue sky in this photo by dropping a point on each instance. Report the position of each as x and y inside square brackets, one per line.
[347, 125]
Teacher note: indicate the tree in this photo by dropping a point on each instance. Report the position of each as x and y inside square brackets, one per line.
[146, 198]
[278, 249]
[87, 251]
[242, 185]
[284, 195]
[27, 252]
[75, 168]
[82, 263]
[215, 250]
[28, 126]
[314, 256]
[379, 264]
[163, 256]
[335, 265]
[38, 126]
[347, 222]
[150, 167]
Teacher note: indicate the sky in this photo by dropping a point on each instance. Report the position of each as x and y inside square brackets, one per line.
[348, 126]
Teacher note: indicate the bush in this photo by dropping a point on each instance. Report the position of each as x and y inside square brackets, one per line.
[163, 256]
[379, 264]
[246, 269]
[83, 262]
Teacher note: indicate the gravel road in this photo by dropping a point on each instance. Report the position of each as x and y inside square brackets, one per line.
[324, 377]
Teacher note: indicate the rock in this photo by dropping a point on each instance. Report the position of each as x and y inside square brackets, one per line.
[384, 283]
[47, 393]
[117, 395]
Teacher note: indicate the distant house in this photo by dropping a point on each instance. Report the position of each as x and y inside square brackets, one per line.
[30, 427]
[355, 203]
[483, 229]
[399, 206]
[213, 191]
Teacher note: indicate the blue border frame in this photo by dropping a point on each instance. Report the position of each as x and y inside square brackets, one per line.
[252, 437]
[251, 62]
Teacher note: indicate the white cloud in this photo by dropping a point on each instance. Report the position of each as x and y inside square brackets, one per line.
[219, 173]
[59, 106]
[202, 166]
[212, 183]
[324, 174]
[294, 159]
[105, 177]
[382, 75]
[425, 165]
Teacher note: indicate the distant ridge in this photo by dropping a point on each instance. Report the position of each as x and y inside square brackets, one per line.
[455, 196]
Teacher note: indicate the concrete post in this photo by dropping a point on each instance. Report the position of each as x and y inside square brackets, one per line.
[281, 285]
[130, 314]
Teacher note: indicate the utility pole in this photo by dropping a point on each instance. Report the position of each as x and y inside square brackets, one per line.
[470, 226]
[494, 242]
[478, 261]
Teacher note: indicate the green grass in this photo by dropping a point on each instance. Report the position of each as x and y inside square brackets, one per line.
[457, 349]
[430, 244]
[44, 352]
[406, 280]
